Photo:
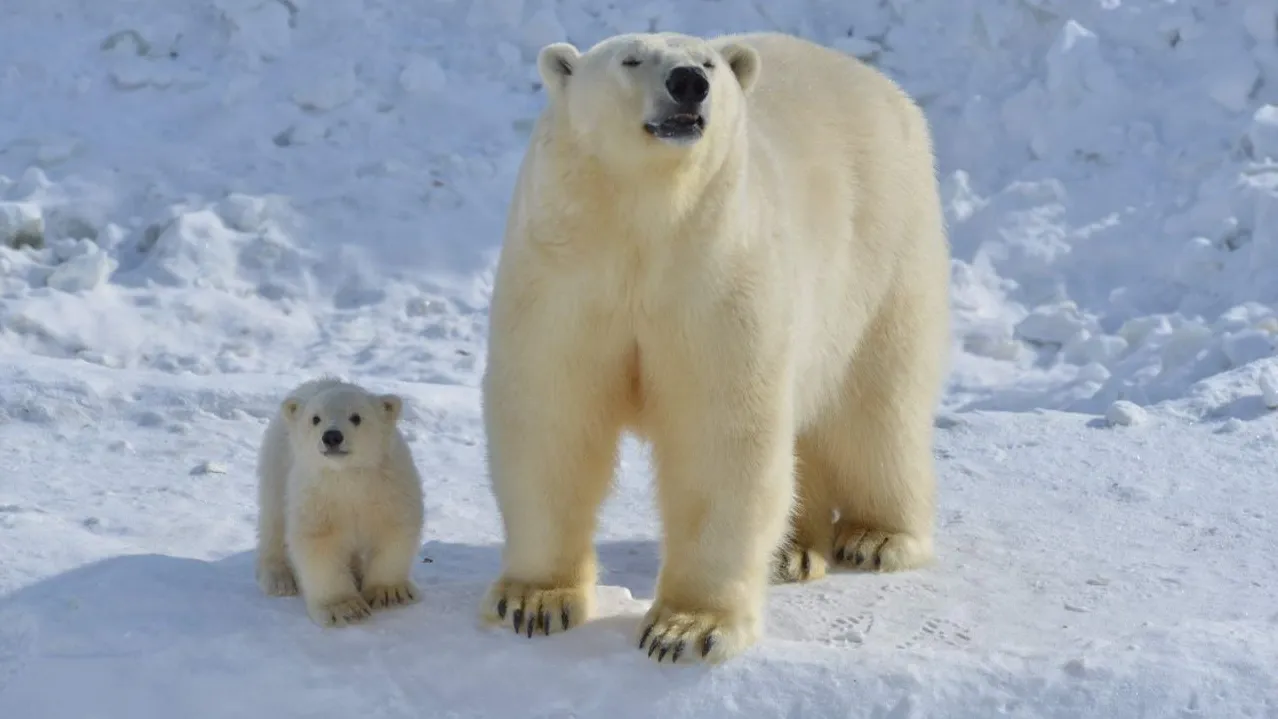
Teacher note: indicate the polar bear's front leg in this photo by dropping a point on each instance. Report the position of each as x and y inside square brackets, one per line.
[387, 580]
[723, 448]
[322, 555]
[553, 403]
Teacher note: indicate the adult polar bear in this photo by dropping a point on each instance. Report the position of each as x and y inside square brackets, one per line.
[734, 248]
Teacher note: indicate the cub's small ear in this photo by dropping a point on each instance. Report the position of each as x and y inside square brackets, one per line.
[555, 64]
[744, 62]
[289, 408]
[392, 405]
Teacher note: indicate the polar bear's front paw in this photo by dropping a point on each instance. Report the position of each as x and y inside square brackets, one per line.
[879, 551]
[707, 636]
[341, 612]
[276, 579]
[795, 563]
[392, 595]
[536, 610]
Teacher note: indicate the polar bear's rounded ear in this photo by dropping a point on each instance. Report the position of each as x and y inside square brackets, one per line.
[555, 64]
[392, 405]
[289, 408]
[744, 61]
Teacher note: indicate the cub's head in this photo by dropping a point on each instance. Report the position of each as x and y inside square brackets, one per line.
[342, 426]
[650, 93]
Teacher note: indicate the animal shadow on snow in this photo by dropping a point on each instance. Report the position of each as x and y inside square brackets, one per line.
[146, 635]
[629, 564]
[152, 635]
[146, 605]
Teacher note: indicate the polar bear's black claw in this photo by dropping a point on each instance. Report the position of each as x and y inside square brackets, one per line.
[878, 553]
[501, 608]
[674, 643]
[653, 645]
[517, 618]
[533, 617]
[644, 638]
[563, 617]
[678, 650]
[675, 649]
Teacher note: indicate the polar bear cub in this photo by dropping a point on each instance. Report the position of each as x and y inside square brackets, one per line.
[733, 248]
[340, 503]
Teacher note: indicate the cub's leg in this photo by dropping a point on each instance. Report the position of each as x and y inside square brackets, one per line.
[322, 553]
[274, 574]
[554, 393]
[387, 572]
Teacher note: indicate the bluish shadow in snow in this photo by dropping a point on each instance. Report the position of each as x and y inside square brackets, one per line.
[148, 635]
[629, 564]
[1246, 408]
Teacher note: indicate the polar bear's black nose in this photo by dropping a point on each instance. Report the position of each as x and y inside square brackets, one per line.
[331, 438]
[687, 84]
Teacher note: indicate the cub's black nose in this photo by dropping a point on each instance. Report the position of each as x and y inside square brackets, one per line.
[687, 84]
[332, 438]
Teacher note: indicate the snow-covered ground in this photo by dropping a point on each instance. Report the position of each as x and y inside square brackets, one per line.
[203, 202]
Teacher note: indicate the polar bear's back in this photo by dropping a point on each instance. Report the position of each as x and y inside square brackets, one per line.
[841, 158]
[819, 102]
[842, 135]
[846, 152]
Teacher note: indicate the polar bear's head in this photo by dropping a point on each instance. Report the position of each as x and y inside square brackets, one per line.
[342, 426]
[649, 93]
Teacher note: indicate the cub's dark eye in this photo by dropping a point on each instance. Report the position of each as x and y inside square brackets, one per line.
[631, 62]
[355, 420]
[708, 64]
[315, 419]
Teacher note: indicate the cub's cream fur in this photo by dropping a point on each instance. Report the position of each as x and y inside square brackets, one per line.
[758, 286]
[340, 514]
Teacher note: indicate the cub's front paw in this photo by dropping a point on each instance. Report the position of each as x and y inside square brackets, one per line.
[537, 610]
[340, 612]
[393, 595]
[695, 636]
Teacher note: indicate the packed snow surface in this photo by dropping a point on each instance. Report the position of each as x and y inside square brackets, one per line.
[203, 203]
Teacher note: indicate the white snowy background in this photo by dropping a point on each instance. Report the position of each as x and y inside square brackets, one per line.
[204, 202]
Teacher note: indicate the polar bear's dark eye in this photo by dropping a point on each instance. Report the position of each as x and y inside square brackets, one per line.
[708, 64]
[355, 420]
[631, 62]
[315, 419]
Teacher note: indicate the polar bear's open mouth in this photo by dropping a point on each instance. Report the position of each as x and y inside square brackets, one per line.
[335, 453]
[680, 126]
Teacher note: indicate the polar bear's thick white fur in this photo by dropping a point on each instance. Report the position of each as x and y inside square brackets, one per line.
[735, 249]
[340, 503]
